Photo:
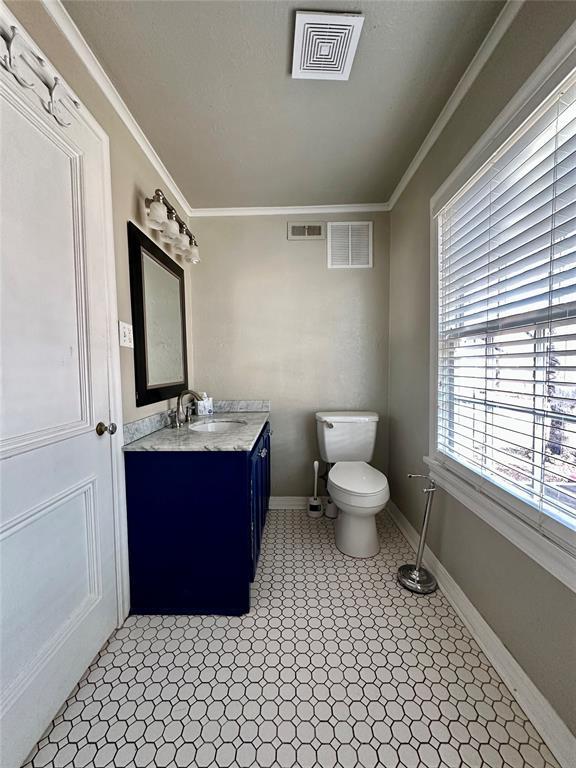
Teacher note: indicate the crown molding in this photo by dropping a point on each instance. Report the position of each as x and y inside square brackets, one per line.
[63, 20]
[65, 23]
[495, 34]
[292, 210]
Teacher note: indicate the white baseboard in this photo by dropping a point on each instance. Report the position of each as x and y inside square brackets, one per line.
[288, 502]
[555, 733]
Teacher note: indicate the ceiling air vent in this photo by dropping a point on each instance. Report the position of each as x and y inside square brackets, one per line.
[349, 244]
[306, 231]
[325, 45]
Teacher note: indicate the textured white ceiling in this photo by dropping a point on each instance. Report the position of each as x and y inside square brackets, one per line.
[209, 83]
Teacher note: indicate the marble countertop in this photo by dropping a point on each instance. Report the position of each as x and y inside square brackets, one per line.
[242, 438]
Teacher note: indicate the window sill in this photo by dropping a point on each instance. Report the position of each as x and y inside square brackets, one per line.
[551, 556]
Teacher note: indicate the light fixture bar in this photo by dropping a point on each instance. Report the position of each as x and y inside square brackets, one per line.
[160, 197]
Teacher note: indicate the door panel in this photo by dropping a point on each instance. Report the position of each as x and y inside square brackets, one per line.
[58, 602]
[59, 583]
[47, 344]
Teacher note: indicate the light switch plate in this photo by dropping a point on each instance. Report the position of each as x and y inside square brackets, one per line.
[126, 335]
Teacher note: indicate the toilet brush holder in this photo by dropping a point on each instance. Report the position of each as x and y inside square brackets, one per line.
[331, 510]
[314, 503]
[414, 576]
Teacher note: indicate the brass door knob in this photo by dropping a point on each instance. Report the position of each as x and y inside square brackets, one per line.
[102, 428]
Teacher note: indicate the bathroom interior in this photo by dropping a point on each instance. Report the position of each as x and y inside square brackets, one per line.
[288, 456]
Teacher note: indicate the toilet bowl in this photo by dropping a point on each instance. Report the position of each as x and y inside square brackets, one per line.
[360, 492]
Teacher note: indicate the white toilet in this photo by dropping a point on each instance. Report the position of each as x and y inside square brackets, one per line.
[346, 440]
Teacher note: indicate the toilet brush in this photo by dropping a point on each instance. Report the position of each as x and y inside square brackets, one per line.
[314, 503]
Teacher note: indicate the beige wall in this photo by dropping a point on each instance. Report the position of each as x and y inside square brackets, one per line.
[133, 176]
[532, 612]
[271, 321]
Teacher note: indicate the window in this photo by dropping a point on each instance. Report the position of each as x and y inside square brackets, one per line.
[506, 321]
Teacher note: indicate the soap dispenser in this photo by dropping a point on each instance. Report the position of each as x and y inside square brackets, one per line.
[205, 407]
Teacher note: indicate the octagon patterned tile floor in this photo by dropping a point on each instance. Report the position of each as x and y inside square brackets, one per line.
[335, 666]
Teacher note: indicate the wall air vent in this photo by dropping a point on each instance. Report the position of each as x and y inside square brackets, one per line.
[299, 230]
[325, 45]
[349, 245]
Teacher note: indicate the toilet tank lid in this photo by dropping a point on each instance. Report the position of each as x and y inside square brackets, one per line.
[350, 416]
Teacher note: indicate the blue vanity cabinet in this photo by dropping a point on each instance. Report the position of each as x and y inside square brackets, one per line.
[195, 523]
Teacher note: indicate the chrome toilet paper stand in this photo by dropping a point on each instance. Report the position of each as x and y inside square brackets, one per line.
[414, 576]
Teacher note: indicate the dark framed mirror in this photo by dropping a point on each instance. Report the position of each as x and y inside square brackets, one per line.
[158, 318]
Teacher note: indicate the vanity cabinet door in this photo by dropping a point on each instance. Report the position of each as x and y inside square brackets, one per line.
[259, 493]
[256, 504]
[266, 472]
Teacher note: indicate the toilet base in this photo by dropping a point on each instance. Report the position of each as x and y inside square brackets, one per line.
[356, 535]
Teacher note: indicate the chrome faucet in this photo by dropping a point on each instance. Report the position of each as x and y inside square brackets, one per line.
[180, 414]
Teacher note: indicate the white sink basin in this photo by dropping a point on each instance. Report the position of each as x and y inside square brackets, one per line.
[217, 426]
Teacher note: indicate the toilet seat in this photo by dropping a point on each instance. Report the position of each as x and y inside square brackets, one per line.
[357, 484]
[357, 478]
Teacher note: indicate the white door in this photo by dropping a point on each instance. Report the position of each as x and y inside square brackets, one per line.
[57, 547]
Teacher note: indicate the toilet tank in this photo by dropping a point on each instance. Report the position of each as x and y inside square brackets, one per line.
[351, 436]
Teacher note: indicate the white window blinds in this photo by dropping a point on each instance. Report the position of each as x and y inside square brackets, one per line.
[507, 317]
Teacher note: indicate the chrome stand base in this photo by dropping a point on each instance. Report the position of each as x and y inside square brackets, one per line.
[418, 580]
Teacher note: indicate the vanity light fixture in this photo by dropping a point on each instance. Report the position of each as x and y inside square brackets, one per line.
[163, 217]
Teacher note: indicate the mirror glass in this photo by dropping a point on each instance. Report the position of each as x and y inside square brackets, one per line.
[162, 324]
[158, 320]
